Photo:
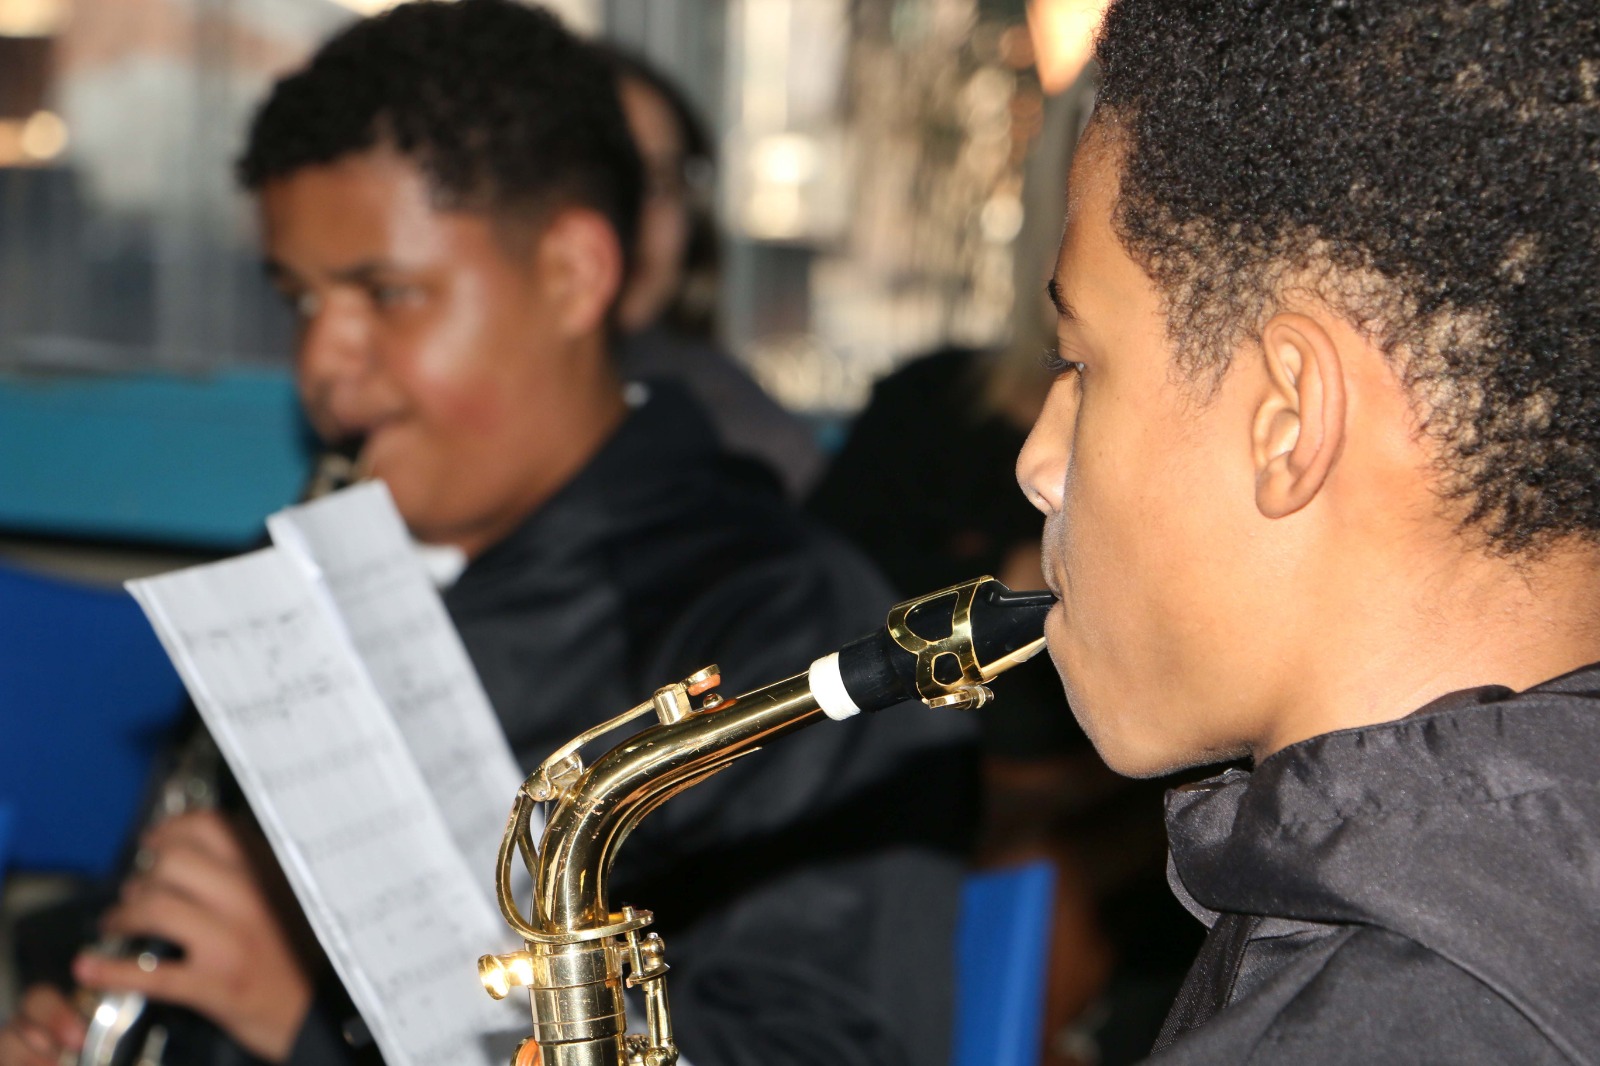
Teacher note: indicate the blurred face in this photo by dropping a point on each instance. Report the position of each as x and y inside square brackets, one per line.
[664, 217]
[1147, 485]
[467, 371]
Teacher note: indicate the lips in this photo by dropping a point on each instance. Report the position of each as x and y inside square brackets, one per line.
[371, 438]
[1052, 582]
[343, 415]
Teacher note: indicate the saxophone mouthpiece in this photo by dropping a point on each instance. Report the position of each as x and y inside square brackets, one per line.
[943, 648]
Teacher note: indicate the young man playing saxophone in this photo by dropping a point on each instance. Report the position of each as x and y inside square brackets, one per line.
[446, 193]
[1319, 471]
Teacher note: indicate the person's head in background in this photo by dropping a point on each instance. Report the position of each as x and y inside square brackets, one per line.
[676, 253]
[1326, 439]
[448, 196]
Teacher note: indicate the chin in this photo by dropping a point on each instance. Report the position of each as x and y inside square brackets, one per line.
[412, 502]
[1146, 757]
[1133, 749]
[1132, 761]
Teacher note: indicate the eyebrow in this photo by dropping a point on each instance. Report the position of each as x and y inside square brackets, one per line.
[1063, 308]
[357, 273]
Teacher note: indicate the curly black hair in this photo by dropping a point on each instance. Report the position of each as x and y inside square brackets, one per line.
[504, 110]
[1430, 169]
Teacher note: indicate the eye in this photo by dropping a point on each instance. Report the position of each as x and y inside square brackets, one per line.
[1055, 363]
[389, 295]
[302, 302]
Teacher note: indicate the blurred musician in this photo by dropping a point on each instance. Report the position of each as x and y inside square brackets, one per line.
[1319, 471]
[448, 194]
[666, 315]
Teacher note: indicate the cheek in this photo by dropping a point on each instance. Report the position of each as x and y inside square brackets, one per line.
[1160, 547]
[462, 400]
[1135, 553]
[1125, 508]
[456, 369]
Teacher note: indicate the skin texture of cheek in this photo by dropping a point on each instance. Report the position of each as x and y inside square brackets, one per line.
[461, 370]
[1144, 546]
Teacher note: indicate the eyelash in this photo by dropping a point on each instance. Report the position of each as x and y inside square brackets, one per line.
[1055, 363]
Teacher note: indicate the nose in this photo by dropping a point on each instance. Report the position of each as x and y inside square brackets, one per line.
[333, 354]
[1045, 456]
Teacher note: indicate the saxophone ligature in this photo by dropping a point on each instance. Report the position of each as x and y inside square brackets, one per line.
[942, 648]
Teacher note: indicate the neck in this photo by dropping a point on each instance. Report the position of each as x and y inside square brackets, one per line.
[570, 431]
[1407, 635]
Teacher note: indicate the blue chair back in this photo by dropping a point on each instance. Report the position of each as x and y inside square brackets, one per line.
[1002, 953]
[87, 698]
[5, 841]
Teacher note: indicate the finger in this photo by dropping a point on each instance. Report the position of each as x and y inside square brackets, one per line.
[164, 980]
[185, 869]
[45, 1007]
[35, 1036]
[155, 913]
[20, 1045]
[208, 831]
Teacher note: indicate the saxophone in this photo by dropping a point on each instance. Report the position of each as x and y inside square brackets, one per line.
[943, 648]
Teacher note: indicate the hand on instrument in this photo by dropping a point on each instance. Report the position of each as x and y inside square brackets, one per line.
[44, 1028]
[199, 890]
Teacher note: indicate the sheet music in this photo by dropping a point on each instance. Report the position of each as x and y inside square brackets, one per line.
[355, 546]
[346, 807]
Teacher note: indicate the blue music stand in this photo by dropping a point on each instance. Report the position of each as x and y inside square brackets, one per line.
[87, 700]
[1002, 952]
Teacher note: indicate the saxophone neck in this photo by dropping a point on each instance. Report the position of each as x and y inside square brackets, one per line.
[598, 811]
[942, 648]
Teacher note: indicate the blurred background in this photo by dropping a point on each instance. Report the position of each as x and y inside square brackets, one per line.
[877, 207]
[876, 162]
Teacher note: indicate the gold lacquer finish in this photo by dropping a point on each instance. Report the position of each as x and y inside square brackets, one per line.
[579, 955]
[971, 689]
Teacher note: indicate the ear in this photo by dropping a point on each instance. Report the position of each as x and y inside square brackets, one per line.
[580, 268]
[1299, 427]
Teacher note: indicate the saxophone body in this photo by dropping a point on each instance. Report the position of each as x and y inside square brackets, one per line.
[579, 955]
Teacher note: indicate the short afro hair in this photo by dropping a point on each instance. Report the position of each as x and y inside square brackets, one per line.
[505, 111]
[1430, 169]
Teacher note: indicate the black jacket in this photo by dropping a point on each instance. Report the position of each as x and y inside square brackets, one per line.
[808, 894]
[1422, 891]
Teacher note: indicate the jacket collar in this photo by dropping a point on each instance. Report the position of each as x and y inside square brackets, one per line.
[1471, 827]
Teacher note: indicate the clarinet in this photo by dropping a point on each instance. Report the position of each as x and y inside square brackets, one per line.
[121, 1028]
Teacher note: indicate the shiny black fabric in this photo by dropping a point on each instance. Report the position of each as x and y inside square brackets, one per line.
[1425, 890]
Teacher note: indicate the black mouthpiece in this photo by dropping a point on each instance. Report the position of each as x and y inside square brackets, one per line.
[878, 673]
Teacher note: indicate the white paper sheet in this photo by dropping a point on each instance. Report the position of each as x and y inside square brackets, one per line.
[332, 776]
[354, 545]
